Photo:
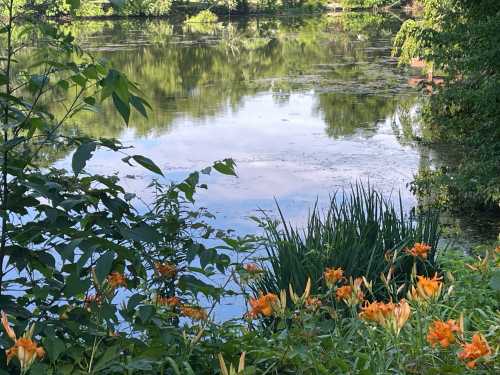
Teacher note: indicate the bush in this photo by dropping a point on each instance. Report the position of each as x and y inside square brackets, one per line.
[59, 8]
[364, 3]
[460, 38]
[145, 8]
[205, 16]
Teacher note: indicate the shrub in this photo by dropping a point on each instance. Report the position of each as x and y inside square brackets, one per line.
[461, 39]
[205, 16]
[58, 8]
[364, 3]
[145, 8]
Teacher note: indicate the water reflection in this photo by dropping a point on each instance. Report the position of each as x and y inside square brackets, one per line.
[304, 105]
[190, 74]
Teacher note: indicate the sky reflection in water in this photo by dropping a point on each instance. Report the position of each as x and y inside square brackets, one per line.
[304, 106]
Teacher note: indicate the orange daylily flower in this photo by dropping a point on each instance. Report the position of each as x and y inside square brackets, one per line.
[168, 301]
[376, 311]
[313, 303]
[8, 329]
[344, 292]
[389, 315]
[116, 279]
[400, 316]
[264, 305]
[351, 294]
[427, 288]
[252, 268]
[195, 313]
[332, 275]
[474, 350]
[25, 349]
[167, 270]
[113, 333]
[442, 333]
[419, 250]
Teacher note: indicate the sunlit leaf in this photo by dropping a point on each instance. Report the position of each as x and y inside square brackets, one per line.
[225, 167]
[147, 163]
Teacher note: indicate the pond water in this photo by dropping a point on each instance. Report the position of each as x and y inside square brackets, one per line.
[305, 106]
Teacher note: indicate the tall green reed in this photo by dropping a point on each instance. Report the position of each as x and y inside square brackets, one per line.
[361, 232]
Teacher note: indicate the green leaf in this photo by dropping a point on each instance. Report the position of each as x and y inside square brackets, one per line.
[67, 251]
[225, 166]
[139, 105]
[75, 286]
[121, 89]
[195, 285]
[140, 365]
[134, 301]
[79, 79]
[63, 84]
[75, 4]
[90, 100]
[175, 368]
[122, 108]
[107, 358]
[3, 79]
[147, 163]
[91, 72]
[495, 280]
[36, 369]
[37, 82]
[140, 233]
[188, 190]
[82, 154]
[145, 312]
[54, 347]
[103, 266]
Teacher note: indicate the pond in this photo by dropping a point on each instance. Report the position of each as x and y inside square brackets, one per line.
[304, 105]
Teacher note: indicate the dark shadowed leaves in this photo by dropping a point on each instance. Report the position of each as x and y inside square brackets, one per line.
[82, 154]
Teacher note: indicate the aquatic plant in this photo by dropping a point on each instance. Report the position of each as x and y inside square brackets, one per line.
[361, 232]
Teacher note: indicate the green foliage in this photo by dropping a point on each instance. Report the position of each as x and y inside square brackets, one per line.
[58, 8]
[93, 8]
[108, 283]
[364, 3]
[358, 233]
[205, 16]
[69, 241]
[144, 7]
[461, 39]
[321, 341]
